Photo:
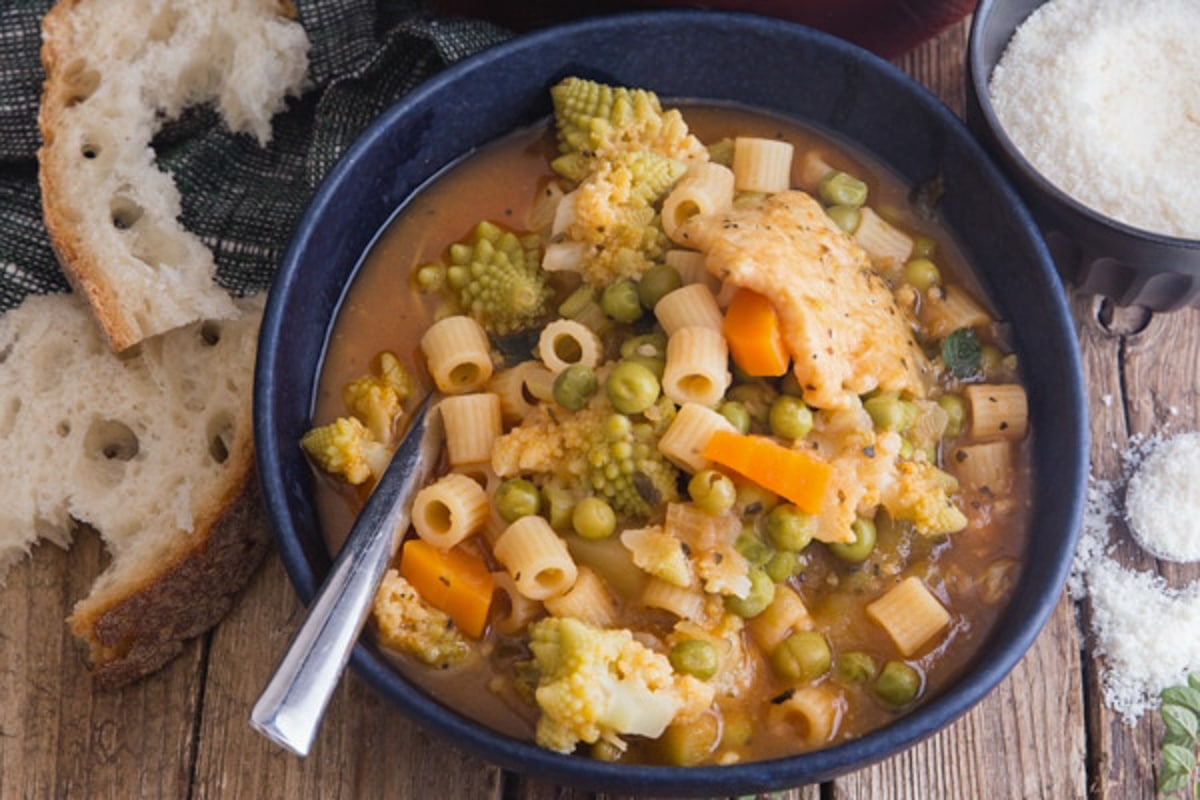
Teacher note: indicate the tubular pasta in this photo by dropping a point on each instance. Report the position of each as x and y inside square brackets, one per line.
[887, 246]
[536, 558]
[761, 165]
[707, 188]
[786, 615]
[565, 342]
[520, 609]
[472, 423]
[458, 355]
[955, 309]
[813, 167]
[697, 368]
[987, 466]
[512, 386]
[910, 614]
[683, 603]
[813, 713]
[545, 208]
[588, 601]
[686, 437]
[690, 266]
[449, 510]
[688, 306]
[997, 411]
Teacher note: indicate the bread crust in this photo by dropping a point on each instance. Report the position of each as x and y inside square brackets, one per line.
[134, 634]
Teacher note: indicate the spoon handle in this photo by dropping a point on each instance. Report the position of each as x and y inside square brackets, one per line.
[290, 708]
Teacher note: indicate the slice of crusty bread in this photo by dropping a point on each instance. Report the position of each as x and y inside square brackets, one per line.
[116, 70]
[154, 450]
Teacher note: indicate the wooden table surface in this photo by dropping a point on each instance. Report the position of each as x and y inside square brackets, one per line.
[1042, 733]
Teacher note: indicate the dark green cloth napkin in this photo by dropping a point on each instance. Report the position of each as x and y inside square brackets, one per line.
[241, 199]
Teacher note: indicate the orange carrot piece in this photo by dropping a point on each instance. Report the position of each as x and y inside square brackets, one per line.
[751, 328]
[453, 581]
[795, 474]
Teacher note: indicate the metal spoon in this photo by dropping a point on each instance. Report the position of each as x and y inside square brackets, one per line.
[290, 708]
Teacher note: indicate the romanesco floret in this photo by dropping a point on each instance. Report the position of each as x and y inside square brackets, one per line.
[596, 683]
[377, 399]
[496, 277]
[607, 452]
[593, 118]
[408, 624]
[615, 217]
[920, 495]
[346, 448]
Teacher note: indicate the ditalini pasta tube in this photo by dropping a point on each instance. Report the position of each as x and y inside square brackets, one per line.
[705, 189]
[536, 558]
[953, 310]
[697, 369]
[997, 411]
[457, 354]
[565, 342]
[887, 246]
[685, 603]
[588, 601]
[686, 437]
[449, 510]
[813, 714]
[761, 165]
[688, 306]
[472, 423]
[910, 615]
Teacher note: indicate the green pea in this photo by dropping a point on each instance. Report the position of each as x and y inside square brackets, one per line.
[737, 414]
[695, 657]
[804, 656]
[924, 247]
[517, 498]
[593, 518]
[752, 499]
[921, 274]
[757, 397]
[790, 418]
[783, 565]
[631, 387]
[762, 592]
[840, 189]
[855, 666]
[753, 550]
[898, 684]
[648, 345]
[789, 528]
[620, 301]
[864, 542]
[889, 412]
[845, 217]
[574, 386]
[956, 413]
[713, 492]
[658, 281]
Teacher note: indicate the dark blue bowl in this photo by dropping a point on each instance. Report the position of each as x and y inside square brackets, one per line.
[756, 62]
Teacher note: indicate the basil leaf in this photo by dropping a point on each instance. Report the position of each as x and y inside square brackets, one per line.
[1182, 724]
[1178, 759]
[1184, 696]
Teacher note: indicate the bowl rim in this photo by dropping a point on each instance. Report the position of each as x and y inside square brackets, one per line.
[979, 76]
[526, 757]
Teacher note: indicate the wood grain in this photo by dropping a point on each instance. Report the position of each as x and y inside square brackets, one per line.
[1042, 733]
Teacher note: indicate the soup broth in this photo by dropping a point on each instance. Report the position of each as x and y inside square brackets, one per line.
[789, 695]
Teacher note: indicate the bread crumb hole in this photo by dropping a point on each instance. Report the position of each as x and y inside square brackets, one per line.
[210, 333]
[79, 82]
[89, 151]
[63, 428]
[220, 437]
[125, 213]
[111, 440]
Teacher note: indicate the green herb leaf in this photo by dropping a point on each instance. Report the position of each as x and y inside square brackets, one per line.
[1184, 696]
[1178, 759]
[1194, 681]
[1182, 724]
[1171, 782]
[961, 353]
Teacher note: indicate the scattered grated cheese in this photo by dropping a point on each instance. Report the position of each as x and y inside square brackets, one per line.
[1147, 633]
[1103, 98]
[1162, 504]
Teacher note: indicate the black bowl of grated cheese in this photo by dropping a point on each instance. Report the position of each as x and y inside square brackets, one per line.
[1092, 108]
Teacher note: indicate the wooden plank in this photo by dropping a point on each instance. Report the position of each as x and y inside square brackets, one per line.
[365, 749]
[1153, 372]
[58, 737]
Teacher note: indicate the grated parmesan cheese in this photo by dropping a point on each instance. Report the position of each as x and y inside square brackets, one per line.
[1162, 505]
[1147, 633]
[1103, 98]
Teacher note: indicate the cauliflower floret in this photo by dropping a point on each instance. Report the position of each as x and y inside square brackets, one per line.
[920, 495]
[660, 554]
[408, 624]
[598, 683]
[346, 448]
